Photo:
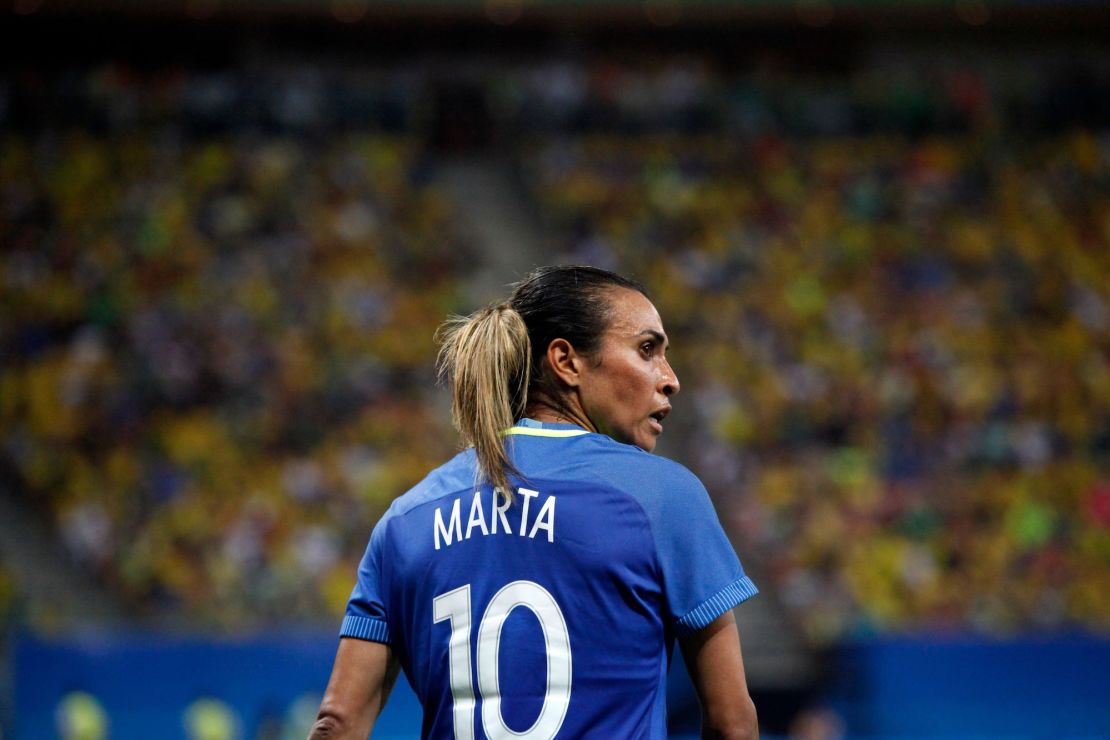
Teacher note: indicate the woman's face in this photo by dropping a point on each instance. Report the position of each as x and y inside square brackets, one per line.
[626, 386]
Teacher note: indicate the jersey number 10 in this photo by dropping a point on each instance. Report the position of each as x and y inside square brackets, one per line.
[454, 607]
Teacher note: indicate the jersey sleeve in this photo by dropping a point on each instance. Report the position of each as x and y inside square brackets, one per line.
[702, 576]
[366, 614]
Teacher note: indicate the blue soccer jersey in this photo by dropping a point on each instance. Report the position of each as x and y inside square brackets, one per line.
[554, 615]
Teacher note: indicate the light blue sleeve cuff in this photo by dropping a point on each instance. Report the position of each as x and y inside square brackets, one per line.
[365, 628]
[700, 616]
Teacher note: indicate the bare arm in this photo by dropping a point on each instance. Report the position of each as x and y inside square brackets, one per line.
[360, 683]
[716, 668]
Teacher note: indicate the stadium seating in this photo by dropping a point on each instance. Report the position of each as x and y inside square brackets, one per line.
[894, 345]
[219, 342]
[890, 322]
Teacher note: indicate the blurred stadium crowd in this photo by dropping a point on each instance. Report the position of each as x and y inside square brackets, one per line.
[220, 351]
[888, 297]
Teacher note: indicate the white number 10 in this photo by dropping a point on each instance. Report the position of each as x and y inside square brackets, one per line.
[454, 606]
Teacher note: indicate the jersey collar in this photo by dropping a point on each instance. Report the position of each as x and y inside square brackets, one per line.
[533, 428]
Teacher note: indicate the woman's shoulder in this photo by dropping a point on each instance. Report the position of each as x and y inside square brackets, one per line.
[638, 470]
[455, 475]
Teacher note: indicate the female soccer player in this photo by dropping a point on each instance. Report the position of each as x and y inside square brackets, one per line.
[534, 585]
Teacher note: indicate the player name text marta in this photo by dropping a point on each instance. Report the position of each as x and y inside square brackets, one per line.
[450, 531]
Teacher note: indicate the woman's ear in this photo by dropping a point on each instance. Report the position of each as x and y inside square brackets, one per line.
[565, 363]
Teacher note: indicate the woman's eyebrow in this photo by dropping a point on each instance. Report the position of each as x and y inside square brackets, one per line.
[657, 336]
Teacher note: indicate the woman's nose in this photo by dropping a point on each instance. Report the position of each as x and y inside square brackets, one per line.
[670, 384]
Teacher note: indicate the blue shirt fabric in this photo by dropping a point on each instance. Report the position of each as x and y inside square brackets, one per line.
[610, 552]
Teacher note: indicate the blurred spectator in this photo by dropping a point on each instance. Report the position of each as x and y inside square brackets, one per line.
[80, 716]
[211, 719]
[300, 716]
[817, 724]
[9, 598]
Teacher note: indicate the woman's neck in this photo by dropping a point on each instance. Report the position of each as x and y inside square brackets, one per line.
[543, 408]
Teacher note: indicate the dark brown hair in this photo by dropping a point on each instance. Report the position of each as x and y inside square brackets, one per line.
[495, 358]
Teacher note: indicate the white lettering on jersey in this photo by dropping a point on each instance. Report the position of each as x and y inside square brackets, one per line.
[456, 525]
[528, 496]
[545, 520]
[477, 516]
[449, 532]
[499, 510]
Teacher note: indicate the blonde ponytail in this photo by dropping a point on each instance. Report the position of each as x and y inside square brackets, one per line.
[487, 358]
